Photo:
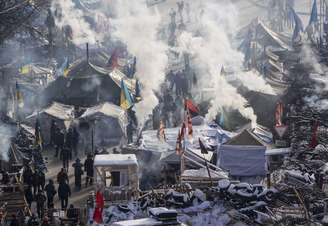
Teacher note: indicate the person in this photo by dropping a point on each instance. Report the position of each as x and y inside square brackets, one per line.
[62, 176]
[35, 182]
[42, 180]
[88, 168]
[59, 141]
[65, 156]
[78, 173]
[40, 201]
[14, 221]
[64, 191]
[27, 175]
[29, 195]
[53, 129]
[33, 221]
[97, 215]
[76, 138]
[45, 222]
[69, 141]
[72, 214]
[51, 192]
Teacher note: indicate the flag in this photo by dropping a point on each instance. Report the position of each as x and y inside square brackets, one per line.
[26, 69]
[181, 134]
[38, 138]
[66, 67]
[314, 139]
[279, 114]
[161, 131]
[113, 60]
[189, 105]
[203, 149]
[126, 99]
[298, 25]
[100, 203]
[314, 13]
[19, 96]
[189, 125]
[137, 90]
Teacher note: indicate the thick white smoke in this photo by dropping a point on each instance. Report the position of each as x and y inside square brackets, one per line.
[137, 27]
[70, 15]
[211, 49]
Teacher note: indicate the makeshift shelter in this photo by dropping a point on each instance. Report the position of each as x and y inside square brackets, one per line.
[104, 125]
[119, 174]
[243, 156]
[62, 114]
[87, 85]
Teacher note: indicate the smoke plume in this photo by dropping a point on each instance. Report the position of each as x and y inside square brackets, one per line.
[137, 27]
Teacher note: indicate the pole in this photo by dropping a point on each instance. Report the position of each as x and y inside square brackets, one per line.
[208, 171]
[92, 139]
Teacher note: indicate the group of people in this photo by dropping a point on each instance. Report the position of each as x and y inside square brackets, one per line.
[65, 144]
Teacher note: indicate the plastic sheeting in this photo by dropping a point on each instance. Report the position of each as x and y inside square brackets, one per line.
[242, 160]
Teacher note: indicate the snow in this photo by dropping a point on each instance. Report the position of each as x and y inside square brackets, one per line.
[115, 160]
[277, 151]
[203, 173]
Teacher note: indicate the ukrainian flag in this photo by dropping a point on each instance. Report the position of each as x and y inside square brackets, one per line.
[66, 68]
[126, 99]
[19, 96]
[26, 69]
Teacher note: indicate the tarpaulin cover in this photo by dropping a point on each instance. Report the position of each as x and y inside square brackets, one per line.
[242, 160]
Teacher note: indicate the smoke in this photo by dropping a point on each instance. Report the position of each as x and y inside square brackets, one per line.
[69, 14]
[137, 27]
[95, 82]
[211, 49]
[6, 133]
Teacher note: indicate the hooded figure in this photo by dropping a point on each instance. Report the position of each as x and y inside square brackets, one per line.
[78, 172]
[51, 192]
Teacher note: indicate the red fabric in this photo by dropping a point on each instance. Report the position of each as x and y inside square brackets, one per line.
[100, 203]
[279, 113]
[189, 105]
[314, 139]
[113, 60]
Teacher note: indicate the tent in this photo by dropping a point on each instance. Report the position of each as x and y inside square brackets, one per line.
[243, 155]
[105, 122]
[62, 114]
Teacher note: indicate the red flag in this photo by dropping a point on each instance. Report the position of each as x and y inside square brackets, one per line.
[100, 203]
[279, 113]
[189, 124]
[189, 105]
[180, 137]
[314, 139]
[113, 60]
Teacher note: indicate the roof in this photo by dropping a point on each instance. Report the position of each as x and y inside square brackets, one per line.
[138, 222]
[117, 77]
[57, 110]
[245, 138]
[115, 160]
[106, 109]
[277, 151]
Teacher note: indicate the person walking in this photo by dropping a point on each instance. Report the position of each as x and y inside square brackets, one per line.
[51, 192]
[69, 141]
[78, 172]
[40, 201]
[59, 141]
[88, 168]
[62, 176]
[65, 156]
[64, 191]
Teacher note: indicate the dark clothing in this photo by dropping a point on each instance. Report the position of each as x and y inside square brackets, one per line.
[27, 176]
[78, 172]
[29, 196]
[88, 168]
[62, 177]
[76, 138]
[35, 182]
[129, 132]
[42, 180]
[51, 192]
[14, 222]
[33, 221]
[40, 201]
[64, 191]
[59, 141]
[65, 156]
[53, 129]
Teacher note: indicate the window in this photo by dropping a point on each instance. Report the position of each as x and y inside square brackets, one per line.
[116, 178]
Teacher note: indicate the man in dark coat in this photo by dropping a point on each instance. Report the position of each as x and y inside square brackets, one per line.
[78, 172]
[69, 140]
[35, 182]
[40, 201]
[59, 141]
[88, 168]
[64, 191]
[62, 176]
[51, 192]
[27, 175]
[65, 156]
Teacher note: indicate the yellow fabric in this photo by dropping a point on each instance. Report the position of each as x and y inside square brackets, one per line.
[26, 69]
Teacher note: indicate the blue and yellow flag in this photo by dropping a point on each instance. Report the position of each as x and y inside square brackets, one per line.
[126, 99]
[66, 68]
[19, 96]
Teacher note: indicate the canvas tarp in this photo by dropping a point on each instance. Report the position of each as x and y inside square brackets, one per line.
[242, 160]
